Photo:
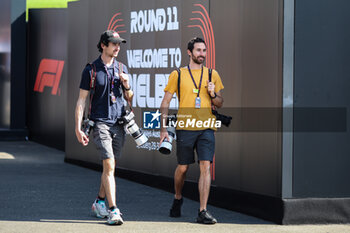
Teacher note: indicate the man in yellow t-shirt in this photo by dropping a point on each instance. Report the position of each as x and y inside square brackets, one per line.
[195, 124]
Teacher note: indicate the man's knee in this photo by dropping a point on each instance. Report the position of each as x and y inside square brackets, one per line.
[204, 167]
[182, 169]
[109, 166]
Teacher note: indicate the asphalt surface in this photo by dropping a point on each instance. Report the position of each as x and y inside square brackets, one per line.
[41, 193]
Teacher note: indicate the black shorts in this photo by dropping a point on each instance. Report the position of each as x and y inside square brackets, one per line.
[203, 141]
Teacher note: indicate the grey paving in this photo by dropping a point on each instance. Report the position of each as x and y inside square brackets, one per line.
[41, 193]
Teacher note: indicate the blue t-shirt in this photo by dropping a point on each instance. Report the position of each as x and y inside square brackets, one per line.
[102, 108]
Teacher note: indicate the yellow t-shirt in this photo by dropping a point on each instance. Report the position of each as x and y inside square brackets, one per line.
[189, 117]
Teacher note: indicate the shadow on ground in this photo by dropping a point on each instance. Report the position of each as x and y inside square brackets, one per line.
[38, 186]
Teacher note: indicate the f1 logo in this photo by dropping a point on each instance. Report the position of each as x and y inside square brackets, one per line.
[49, 75]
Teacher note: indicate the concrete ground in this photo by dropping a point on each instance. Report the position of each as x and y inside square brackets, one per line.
[41, 193]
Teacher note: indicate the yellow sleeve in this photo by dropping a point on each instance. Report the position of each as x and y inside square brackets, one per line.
[217, 81]
[172, 82]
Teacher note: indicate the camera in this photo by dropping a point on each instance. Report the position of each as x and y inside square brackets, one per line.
[131, 128]
[87, 126]
[225, 120]
[166, 146]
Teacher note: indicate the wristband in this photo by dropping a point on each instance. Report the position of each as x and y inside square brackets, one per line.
[127, 89]
[214, 96]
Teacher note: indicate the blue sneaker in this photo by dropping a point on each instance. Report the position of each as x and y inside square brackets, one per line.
[99, 209]
[115, 217]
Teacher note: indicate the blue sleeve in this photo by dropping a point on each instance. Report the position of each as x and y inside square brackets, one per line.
[85, 79]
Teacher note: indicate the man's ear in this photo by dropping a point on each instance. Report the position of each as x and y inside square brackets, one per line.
[189, 52]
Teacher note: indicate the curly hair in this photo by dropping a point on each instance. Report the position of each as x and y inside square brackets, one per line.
[194, 40]
[99, 44]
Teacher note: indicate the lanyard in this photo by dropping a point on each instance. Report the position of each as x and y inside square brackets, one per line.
[110, 78]
[200, 82]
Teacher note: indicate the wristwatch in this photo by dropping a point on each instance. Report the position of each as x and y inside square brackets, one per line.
[214, 96]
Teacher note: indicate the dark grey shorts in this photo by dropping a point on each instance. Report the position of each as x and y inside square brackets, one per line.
[109, 140]
[203, 141]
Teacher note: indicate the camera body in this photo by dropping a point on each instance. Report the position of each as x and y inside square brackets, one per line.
[132, 128]
[87, 126]
[225, 120]
[166, 146]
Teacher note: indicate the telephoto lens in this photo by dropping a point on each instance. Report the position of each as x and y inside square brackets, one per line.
[166, 146]
[132, 129]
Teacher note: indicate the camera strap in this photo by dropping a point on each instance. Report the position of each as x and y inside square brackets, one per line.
[210, 74]
[210, 71]
[178, 84]
[120, 72]
[92, 87]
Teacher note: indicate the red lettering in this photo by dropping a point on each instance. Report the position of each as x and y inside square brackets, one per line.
[49, 75]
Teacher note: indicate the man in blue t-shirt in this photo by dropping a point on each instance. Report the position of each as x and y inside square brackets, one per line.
[111, 86]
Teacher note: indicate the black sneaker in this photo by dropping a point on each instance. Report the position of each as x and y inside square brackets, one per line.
[205, 217]
[175, 210]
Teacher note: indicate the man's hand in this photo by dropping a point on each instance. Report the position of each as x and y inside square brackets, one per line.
[128, 94]
[82, 138]
[125, 80]
[163, 134]
[211, 88]
[79, 111]
[164, 107]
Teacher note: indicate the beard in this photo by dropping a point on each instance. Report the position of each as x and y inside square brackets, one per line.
[197, 59]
